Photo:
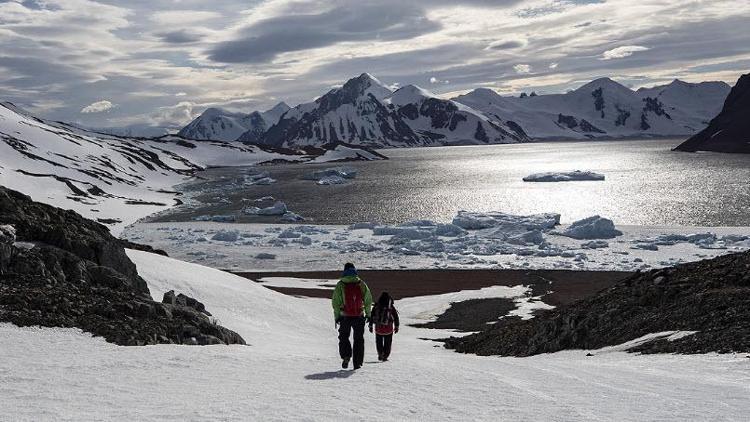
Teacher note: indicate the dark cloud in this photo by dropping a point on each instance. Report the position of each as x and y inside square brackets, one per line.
[264, 40]
[180, 36]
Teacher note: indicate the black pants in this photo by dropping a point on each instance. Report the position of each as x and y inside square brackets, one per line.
[346, 325]
[383, 344]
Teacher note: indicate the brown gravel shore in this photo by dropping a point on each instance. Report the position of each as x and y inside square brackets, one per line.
[566, 286]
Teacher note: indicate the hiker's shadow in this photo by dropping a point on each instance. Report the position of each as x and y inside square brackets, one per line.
[329, 375]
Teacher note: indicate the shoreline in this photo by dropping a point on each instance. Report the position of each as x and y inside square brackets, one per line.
[556, 287]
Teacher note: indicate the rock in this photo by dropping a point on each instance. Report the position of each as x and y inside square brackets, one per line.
[727, 132]
[706, 302]
[7, 238]
[78, 275]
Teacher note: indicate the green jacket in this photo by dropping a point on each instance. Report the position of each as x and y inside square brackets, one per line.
[338, 295]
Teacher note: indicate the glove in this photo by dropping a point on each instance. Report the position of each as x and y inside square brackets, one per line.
[370, 327]
[395, 330]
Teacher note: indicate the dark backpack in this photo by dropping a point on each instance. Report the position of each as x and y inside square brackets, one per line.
[354, 300]
[383, 316]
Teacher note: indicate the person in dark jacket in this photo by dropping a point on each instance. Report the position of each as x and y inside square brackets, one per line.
[352, 303]
[385, 319]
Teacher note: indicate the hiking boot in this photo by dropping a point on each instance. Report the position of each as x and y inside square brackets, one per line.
[357, 366]
[380, 357]
[345, 363]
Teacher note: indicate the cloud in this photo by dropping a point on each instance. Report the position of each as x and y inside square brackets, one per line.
[181, 36]
[522, 68]
[58, 55]
[620, 52]
[506, 44]
[262, 41]
[98, 107]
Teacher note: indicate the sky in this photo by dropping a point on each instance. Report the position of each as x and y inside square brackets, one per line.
[112, 63]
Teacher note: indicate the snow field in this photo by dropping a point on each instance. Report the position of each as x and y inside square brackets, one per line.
[290, 371]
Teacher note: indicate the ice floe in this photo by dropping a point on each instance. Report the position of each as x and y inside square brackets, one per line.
[472, 240]
[568, 176]
[594, 227]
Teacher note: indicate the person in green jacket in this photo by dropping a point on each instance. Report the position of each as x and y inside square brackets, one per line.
[352, 303]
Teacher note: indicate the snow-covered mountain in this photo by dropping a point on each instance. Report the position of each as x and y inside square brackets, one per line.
[220, 125]
[364, 111]
[110, 179]
[605, 108]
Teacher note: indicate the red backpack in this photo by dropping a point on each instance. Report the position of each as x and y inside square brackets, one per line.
[354, 300]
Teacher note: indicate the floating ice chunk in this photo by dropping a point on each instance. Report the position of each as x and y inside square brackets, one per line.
[264, 255]
[292, 217]
[342, 172]
[419, 223]
[386, 230]
[332, 180]
[265, 198]
[733, 238]
[363, 225]
[594, 227]
[304, 240]
[568, 176]
[411, 234]
[226, 236]
[449, 230]
[279, 208]
[262, 181]
[646, 246]
[216, 218]
[595, 244]
[477, 220]
[289, 234]
[262, 178]
[532, 237]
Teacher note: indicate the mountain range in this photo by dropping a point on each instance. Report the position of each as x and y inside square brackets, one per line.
[364, 111]
[220, 125]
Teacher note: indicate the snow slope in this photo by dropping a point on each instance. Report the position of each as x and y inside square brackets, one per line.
[605, 108]
[291, 371]
[220, 125]
[107, 178]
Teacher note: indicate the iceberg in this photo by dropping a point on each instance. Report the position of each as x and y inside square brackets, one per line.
[226, 236]
[332, 176]
[332, 180]
[477, 220]
[279, 208]
[594, 227]
[568, 176]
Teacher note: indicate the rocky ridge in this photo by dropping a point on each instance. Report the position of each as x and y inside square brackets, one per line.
[58, 269]
[710, 298]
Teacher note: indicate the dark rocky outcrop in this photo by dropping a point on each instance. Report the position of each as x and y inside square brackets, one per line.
[58, 269]
[711, 297]
[730, 130]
